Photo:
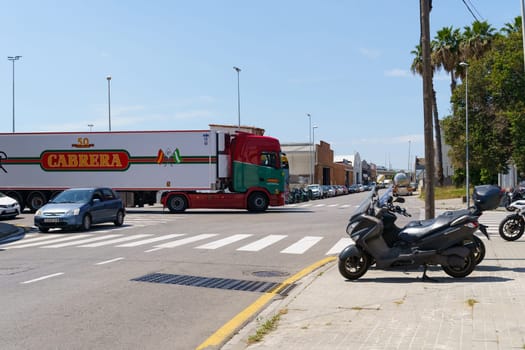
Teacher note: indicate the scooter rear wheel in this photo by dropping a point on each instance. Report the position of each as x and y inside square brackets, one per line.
[354, 266]
[464, 270]
[512, 227]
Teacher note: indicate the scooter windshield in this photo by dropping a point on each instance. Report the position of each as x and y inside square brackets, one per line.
[386, 197]
[365, 205]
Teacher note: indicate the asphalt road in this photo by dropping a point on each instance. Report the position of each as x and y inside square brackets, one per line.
[72, 290]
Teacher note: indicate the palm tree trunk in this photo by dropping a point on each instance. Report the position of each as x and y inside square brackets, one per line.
[437, 131]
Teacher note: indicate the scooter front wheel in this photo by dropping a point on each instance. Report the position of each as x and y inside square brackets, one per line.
[354, 265]
[512, 227]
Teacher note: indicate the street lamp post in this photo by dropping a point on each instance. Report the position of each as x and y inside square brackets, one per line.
[90, 127]
[310, 144]
[238, 70]
[13, 59]
[109, 100]
[314, 153]
[465, 64]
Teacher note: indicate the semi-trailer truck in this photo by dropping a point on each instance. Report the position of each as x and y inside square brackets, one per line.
[184, 169]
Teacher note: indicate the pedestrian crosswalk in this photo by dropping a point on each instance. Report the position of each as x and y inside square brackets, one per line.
[213, 241]
[284, 244]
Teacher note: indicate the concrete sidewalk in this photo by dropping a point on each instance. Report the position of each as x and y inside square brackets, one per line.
[397, 310]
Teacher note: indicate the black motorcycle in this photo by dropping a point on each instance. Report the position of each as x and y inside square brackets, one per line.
[447, 240]
[511, 196]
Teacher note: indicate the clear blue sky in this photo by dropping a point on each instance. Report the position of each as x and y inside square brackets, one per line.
[344, 62]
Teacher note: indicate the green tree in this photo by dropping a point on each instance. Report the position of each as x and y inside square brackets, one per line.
[496, 111]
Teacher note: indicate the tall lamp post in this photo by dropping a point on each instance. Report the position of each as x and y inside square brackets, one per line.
[238, 70]
[465, 64]
[314, 153]
[109, 100]
[310, 143]
[13, 59]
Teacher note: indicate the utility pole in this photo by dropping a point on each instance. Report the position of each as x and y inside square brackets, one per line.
[427, 109]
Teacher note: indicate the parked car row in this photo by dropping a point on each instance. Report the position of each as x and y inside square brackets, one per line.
[317, 191]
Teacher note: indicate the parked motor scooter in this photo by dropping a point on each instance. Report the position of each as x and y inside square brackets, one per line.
[447, 240]
[512, 227]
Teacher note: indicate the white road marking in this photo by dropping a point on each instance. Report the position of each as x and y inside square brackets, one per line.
[29, 239]
[302, 245]
[262, 243]
[186, 240]
[109, 261]
[82, 241]
[225, 241]
[42, 278]
[116, 240]
[340, 245]
[151, 240]
[62, 239]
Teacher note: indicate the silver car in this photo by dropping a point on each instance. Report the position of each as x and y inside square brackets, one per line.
[79, 208]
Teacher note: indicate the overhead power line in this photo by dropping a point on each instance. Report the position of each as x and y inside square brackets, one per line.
[471, 6]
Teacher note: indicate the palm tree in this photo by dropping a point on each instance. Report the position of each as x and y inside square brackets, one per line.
[512, 27]
[417, 67]
[476, 39]
[446, 52]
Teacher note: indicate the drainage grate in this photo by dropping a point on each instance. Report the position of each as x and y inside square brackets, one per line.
[207, 282]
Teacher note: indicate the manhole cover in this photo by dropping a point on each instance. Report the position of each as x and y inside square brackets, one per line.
[270, 274]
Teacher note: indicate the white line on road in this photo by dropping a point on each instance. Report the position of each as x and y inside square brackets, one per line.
[262, 243]
[225, 241]
[186, 240]
[116, 240]
[109, 261]
[302, 245]
[63, 239]
[151, 240]
[82, 241]
[42, 278]
[340, 245]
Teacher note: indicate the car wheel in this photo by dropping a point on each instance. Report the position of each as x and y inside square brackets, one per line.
[86, 223]
[119, 220]
[43, 229]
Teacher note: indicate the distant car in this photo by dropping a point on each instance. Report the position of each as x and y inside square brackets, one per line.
[79, 208]
[315, 191]
[329, 190]
[9, 207]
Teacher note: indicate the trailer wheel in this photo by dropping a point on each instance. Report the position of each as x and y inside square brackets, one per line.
[257, 202]
[36, 200]
[177, 203]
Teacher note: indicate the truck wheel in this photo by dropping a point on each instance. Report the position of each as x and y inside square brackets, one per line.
[177, 203]
[257, 202]
[36, 200]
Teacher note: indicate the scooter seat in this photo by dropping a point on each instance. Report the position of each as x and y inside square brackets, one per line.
[418, 229]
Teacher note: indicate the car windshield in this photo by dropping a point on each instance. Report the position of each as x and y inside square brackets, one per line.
[73, 196]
